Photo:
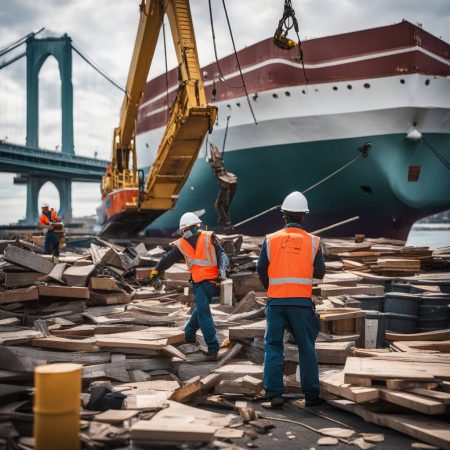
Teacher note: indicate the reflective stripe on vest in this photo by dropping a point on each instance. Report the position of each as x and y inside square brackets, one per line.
[291, 253]
[201, 261]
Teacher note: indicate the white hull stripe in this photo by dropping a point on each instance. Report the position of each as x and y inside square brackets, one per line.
[307, 66]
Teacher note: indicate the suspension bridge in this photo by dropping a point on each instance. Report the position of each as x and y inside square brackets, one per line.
[33, 165]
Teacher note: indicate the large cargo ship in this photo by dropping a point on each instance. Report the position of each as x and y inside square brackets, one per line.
[386, 88]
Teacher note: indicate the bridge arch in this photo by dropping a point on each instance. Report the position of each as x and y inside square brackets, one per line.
[38, 50]
[34, 186]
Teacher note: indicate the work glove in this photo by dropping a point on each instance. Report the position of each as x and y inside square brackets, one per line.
[155, 281]
[222, 275]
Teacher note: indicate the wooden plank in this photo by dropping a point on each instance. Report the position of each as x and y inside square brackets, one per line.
[335, 384]
[171, 431]
[248, 331]
[188, 390]
[110, 298]
[226, 292]
[27, 359]
[327, 352]
[57, 272]
[60, 343]
[19, 295]
[233, 371]
[412, 401]
[439, 335]
[426, 429]
[327, 290]
[443, 397]
[103, 284]
[378, 369]
[63, 291]
[21, 279]
[18, 337]
[130, 343]
[115, 416]
[27, 259]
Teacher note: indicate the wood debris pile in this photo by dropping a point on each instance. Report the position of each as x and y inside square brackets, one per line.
[94, 307]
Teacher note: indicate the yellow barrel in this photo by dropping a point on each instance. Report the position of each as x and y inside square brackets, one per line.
[57, 407]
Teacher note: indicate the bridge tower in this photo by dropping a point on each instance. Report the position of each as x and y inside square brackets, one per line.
[38, 50]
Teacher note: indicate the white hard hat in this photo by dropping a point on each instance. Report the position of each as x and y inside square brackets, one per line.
[44, 205]
[188, 219]
[295, 202]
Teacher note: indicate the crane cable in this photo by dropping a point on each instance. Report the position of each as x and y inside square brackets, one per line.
[273, 208]
[167, 71]
[437, 154]
[238, 63]
[222, 77]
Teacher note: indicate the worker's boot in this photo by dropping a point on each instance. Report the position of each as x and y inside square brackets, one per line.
[212, 355]
[313, 400]
[274, 403]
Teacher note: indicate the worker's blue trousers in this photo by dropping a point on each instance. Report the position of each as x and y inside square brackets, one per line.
[201, 316]
[51, 245]
[304, 325]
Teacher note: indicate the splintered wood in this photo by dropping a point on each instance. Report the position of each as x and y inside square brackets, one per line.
[95, 307]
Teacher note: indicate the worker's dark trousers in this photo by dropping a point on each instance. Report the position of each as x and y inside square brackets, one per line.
[51, 245]
[304, 325]
[201, 316]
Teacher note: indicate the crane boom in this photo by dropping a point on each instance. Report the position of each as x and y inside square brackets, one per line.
[129, 203]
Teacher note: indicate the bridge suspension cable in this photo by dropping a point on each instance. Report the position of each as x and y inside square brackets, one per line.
[19, 42]
[96, 68]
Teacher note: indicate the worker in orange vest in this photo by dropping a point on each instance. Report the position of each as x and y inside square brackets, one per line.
[208, 264]
[289, 260]
[46, 220]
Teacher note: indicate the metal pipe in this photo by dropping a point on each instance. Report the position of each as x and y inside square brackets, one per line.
[57, 406]
[330, 227]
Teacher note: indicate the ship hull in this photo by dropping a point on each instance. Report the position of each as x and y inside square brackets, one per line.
[375, 188]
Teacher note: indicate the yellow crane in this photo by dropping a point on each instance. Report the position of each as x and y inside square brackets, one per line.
[129, 202]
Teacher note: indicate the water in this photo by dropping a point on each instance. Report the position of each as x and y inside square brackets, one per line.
[429, 238]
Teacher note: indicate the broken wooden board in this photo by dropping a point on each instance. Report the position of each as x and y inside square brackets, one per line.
[443, 397]
[63, 292]
[335, 384]
[103, 284]
[19, 295]
[424, 428]
[78, 275]
[187, 391]
[27, 259]
[57, 272]
[243, 282]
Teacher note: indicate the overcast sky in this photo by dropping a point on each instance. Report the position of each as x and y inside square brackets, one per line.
[105, 31]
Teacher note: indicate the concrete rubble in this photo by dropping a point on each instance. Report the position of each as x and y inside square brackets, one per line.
[144, 387]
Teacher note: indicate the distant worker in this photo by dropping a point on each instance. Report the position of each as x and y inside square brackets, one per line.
[289, 260]
[228, 183]
[208, 264]
[46, 220]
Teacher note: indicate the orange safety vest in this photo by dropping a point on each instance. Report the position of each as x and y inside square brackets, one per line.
[201, 261]
[43, 219]
[291, 253]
